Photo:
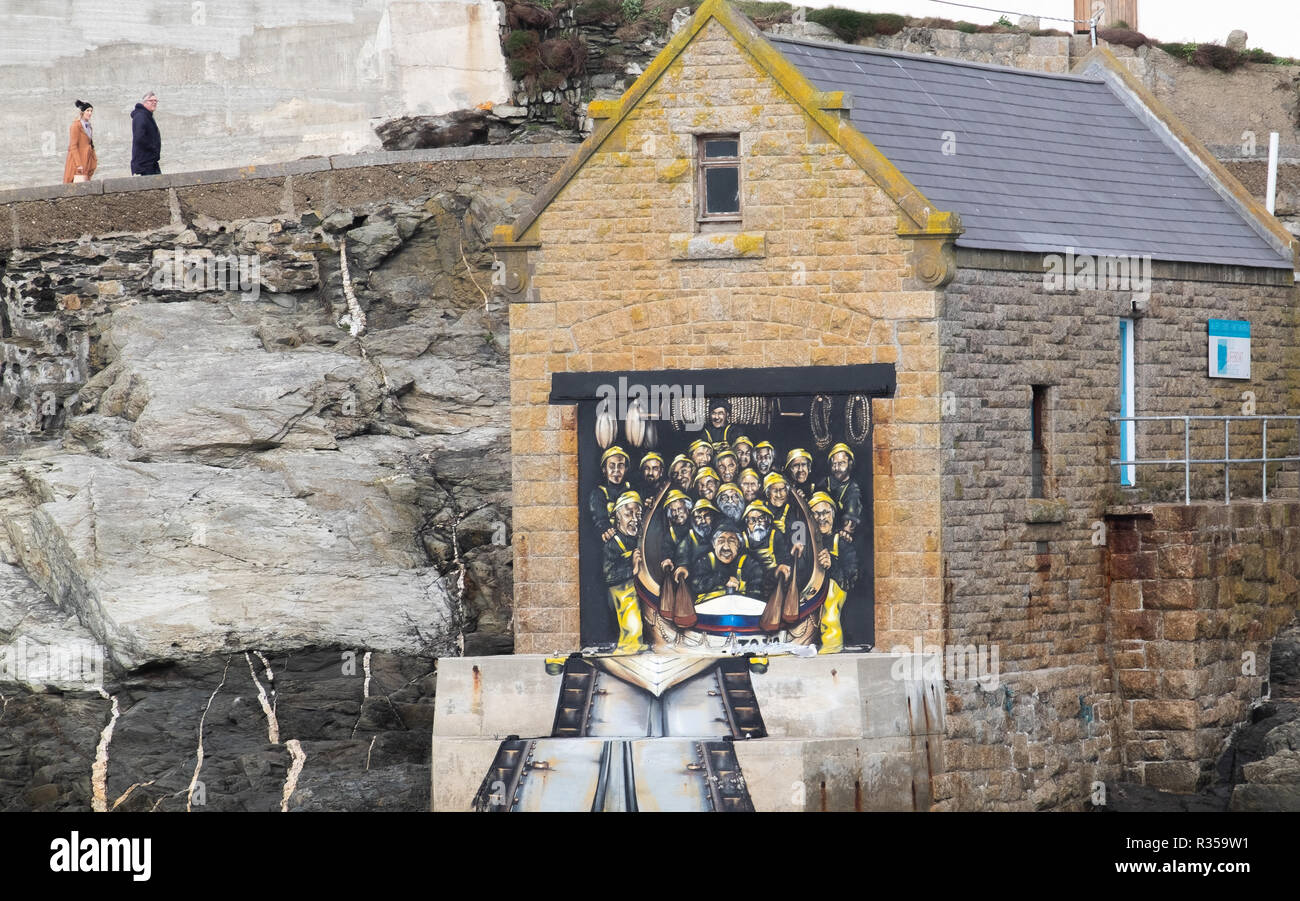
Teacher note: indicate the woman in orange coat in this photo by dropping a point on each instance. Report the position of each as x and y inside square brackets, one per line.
[81, 146]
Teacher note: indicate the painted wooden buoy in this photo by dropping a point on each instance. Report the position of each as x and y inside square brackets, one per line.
[606, 428]
[635, 425]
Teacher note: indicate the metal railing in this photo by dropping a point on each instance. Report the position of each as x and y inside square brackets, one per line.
[1227, 460]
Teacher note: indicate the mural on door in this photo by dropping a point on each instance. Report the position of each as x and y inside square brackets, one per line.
[726, 510]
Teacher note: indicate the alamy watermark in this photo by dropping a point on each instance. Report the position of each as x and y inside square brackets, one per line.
[75, 854]
[953, 662]
[1086, 272]
[684, 403]
[202, 270]
[70, 664]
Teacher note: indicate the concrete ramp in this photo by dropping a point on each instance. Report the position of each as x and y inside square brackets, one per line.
[834, 732]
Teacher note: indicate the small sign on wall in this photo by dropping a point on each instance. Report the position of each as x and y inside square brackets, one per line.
[1229, 355]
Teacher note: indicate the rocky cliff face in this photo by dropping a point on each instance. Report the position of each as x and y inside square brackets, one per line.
[250, 502]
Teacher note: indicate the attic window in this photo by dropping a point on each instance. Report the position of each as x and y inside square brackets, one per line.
[719, 187]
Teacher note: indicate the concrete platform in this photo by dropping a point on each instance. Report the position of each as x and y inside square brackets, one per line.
[844, 732]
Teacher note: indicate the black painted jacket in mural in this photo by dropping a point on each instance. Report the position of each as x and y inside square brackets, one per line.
[617, 562]
[680, 546]
[709, 575]
[697, 546]
[774, 549]
[780, 517]
[719, 438]
[844, 561]
[848, 495]
[600, 503]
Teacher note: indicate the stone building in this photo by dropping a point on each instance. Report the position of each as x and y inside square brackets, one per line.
[1032, 254]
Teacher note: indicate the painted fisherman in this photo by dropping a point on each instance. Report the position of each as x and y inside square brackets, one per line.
[622, 561]
[744, 450]
[613, 483]
[765, 540]
[677, 537]
[653, 476]
[839, 559]
[682, 472]
[751, 486]
[730, 501]
[675, 600]
[719, 430]
[798, 468]
[726, 568]
[725, 464]
[843, 490]
[764, 457]
[706, 484]
[704, 516]
[777, 490]
[701, 453]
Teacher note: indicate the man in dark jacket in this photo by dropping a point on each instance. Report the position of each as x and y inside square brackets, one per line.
[729, 568]
[146, 143]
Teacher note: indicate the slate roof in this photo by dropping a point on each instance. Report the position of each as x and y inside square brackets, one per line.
[1043, 162]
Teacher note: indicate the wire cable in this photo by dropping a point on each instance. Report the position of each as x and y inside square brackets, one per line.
[1012, 12]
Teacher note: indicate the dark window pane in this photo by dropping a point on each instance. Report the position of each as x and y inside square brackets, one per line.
[1038, 441]
[729, 148]
[722, 189]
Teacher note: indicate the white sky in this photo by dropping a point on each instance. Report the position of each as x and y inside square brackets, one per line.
[1273, 25]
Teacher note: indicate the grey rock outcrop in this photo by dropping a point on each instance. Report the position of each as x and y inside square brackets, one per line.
[807, 30]
[229, 471]
[202, 483]
[369, 244]
[1266, 754]
[42, 646]
[459, 129]
[173, 560]
[196, 382]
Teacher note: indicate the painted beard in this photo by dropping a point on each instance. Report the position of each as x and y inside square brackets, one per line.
[732, 508]
[759, 534]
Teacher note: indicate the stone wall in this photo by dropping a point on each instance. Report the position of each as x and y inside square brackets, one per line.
[835, 291]
[613, 51]
[1040, 53]
[1253, 174]
[44, 215]
[1029, 576]
[1196, 595]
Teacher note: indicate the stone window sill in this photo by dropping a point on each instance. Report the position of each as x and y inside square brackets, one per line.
[718, 246]
[1043, 510]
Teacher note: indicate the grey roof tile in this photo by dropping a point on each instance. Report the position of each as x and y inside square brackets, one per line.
[1043, 162]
